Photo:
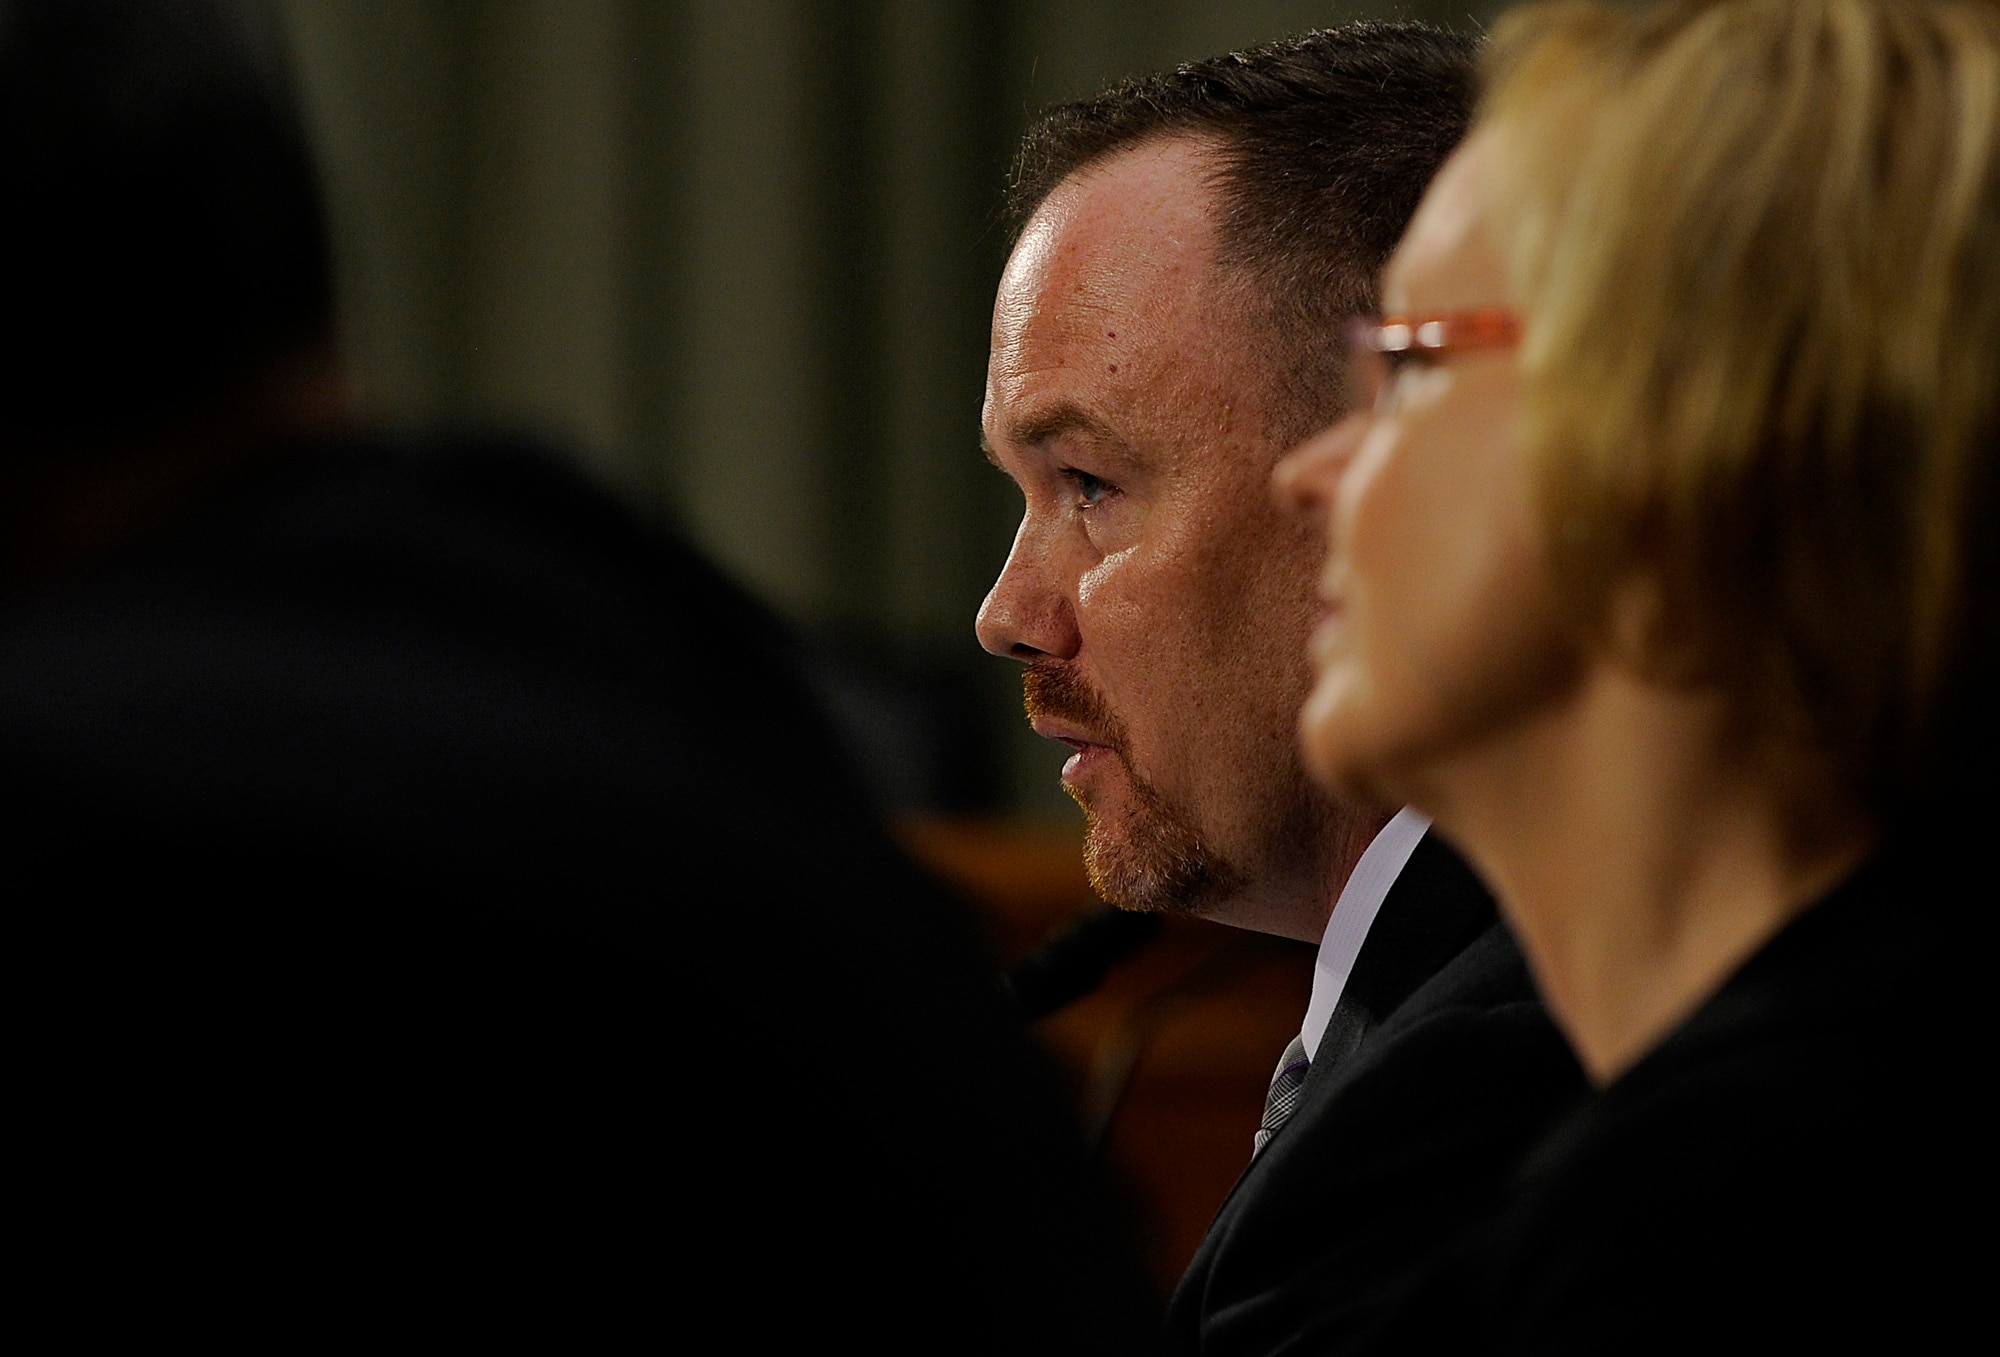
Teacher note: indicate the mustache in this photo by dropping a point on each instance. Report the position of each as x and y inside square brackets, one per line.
[1057, 691]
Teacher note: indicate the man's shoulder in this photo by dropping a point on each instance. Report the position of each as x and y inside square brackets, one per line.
[1438, 1071]
[1389, 1159]
[1459, 1048]
[1487, 976]
[1475, 1034]
[1435, 914]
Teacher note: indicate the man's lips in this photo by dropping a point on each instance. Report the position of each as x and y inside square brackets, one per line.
[1067, 732]
[1088, 753]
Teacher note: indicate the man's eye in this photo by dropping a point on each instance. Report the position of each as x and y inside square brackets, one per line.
[1089, 489]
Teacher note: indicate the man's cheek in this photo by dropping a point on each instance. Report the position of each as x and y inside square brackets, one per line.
[1162, 726]
[1112, 586]
[1135, 637]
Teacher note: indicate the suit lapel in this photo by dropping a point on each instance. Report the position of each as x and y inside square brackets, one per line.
[1432, 913]
[1436, 909]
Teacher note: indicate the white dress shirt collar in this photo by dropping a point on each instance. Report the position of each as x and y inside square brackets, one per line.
[1353, 914]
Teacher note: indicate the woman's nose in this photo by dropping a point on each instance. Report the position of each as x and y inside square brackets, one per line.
[1306, 477]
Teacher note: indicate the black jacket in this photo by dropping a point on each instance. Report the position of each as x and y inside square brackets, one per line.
[1801, 1166]
[1437, 1070]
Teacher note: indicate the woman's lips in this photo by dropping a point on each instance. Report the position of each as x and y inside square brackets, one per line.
[1327, 635]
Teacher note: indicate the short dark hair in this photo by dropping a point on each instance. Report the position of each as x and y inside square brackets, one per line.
[1324, 145]
[164, 229]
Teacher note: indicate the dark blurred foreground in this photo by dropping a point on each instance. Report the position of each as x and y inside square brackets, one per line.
[448, 914]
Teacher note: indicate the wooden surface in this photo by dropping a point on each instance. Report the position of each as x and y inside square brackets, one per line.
[1170, 1058]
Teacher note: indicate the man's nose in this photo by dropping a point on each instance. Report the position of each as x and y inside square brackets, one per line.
[1025, 616]
[1306, 478]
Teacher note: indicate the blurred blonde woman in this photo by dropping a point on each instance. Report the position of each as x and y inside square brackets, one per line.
[1663, 576]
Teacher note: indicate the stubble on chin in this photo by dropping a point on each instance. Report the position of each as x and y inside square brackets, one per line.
[1145, 854]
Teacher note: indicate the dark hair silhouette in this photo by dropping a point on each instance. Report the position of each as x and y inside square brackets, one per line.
[164, 234]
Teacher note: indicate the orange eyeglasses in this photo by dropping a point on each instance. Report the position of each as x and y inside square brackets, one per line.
[1380, 346]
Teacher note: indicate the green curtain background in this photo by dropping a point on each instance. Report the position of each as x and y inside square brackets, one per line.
[738, 257]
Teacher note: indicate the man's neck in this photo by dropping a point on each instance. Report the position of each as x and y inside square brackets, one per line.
[1298, 906]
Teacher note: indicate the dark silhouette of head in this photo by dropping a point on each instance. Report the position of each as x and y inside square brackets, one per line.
[168, 282]
[164, 238]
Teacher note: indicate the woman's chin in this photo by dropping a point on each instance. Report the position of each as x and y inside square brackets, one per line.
[1351, 746]
[1332, 736]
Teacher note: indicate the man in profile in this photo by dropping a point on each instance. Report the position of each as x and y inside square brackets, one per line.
[1169, 323]
[434, 909]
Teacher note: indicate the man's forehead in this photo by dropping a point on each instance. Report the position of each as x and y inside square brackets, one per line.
[1129, 238]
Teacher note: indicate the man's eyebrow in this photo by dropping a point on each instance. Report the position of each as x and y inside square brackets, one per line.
[1058, 421]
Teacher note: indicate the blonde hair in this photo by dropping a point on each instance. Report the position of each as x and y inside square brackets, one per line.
[1757, 247]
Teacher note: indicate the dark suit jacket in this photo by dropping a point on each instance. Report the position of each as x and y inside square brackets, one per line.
[1438, 1068]
[436, 908]
[1803, 1165]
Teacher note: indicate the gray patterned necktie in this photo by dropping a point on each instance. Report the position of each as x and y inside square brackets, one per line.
[1283, 1099]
